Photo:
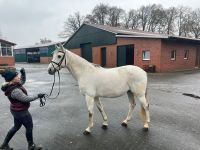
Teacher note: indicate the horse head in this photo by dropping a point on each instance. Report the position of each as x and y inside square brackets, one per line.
[58, 61]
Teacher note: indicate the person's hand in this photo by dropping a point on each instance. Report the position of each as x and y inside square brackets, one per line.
[22, 71]
[41, 95]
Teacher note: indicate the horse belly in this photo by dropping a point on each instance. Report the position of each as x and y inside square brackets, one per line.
[111, 89]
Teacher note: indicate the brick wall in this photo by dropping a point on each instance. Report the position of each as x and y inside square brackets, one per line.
[111, 55]
[45, 60]
[76, 51]
[153, 45]
[179, 63]
[160, 54]
[9, 60]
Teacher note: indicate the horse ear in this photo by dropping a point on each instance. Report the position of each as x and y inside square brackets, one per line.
[61, 46]
[56, 46]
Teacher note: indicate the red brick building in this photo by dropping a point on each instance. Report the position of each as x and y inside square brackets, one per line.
[111, 47]
[6, 53]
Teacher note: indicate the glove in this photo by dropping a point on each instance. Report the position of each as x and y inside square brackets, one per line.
[41, 95]
[22, 71]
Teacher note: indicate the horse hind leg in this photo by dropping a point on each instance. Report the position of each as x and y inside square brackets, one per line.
[90, 106]
[131, 108]
[101, 110]
[145, 116]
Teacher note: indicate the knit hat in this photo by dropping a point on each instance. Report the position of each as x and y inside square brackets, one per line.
[9, 75]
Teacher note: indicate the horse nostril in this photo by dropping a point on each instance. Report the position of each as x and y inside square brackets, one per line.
[49, 70]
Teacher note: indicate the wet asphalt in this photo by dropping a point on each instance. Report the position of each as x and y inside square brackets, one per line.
[59, 125]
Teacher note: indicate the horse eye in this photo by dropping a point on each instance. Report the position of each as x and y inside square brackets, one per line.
[59, 56]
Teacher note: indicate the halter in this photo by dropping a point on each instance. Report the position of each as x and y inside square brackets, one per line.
[59, 63]
[42, 102]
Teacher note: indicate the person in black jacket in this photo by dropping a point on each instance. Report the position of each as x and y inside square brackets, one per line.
[19, 105]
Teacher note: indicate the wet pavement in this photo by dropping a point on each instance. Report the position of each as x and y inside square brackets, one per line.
[175, 118]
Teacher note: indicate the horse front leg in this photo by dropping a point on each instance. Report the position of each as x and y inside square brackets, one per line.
[101, 110]
[90, 106]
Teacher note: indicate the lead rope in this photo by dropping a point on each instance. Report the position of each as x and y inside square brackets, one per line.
[43, 100]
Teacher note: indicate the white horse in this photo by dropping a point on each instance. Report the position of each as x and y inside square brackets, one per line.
[95, 82]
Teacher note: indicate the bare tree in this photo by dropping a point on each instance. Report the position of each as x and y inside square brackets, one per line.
[72, 24]
[126, 20]
[144, 14]
[195, 23]
[100, 13]
[90, 19]
[155, 18]
[186, 28]
[171, 15]
[183, 20]
[114, 16]
[43, 41]
[131, 19]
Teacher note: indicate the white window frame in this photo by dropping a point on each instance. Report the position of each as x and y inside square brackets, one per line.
[144, 55]
[174, 54]
[186, 54]
[6, 48]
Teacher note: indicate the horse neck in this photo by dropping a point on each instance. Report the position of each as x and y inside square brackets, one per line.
[77, 65]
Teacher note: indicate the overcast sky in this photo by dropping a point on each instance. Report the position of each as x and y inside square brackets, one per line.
[24, 22]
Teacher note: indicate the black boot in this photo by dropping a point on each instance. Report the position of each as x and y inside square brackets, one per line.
[34, 147]
[5, 147]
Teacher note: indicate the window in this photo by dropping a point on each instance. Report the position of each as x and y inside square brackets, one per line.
[5, 50]
[43, 51]
[186, 54]
[173, 54]
[9, 51]
[146, 55]
[20, 51]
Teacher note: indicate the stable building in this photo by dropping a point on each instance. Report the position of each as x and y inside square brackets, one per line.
[39, 53]
[112, 46]
[6, 53]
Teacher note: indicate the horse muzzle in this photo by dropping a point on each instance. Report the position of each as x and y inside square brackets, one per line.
[51, 71]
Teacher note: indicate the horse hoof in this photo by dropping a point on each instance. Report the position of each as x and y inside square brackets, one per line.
[104, 127]
[145, 129]
[86, 133]
[124, 124]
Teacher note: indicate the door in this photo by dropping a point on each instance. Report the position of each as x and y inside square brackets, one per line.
[103, 56]
[121, 55]
[198, 57]
[33, 55]
[129, 55]
[125, 55]
[86, 51]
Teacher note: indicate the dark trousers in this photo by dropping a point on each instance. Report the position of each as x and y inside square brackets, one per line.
[21, 118]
